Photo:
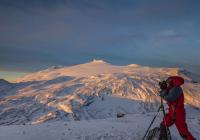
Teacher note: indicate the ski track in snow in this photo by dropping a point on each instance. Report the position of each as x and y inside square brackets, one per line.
[82, 101]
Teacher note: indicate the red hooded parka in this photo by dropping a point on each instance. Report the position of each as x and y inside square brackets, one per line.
[176, 113]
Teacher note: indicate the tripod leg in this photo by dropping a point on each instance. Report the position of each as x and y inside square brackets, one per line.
[151, 123]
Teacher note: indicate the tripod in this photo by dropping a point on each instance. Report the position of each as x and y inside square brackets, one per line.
[161, 107]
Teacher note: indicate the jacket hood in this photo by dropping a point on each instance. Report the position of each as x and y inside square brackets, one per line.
[175, 81]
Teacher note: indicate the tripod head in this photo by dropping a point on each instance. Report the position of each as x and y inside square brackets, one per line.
[163, 85]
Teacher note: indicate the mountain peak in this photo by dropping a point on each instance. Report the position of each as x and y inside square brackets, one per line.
[2, 81]
[134, 65]
[96, 61]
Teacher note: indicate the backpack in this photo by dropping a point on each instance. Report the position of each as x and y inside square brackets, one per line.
[153, 134]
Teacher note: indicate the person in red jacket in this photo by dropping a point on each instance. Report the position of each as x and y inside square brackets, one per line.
[173, 95]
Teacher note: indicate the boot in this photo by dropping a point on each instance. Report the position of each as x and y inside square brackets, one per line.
[187, 137]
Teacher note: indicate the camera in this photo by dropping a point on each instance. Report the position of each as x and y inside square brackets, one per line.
[163, 85]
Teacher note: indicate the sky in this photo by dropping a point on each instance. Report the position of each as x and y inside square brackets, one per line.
[37, 34]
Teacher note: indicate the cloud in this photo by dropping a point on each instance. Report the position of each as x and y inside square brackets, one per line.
[170, 35]
[124, 39]
[50, 31]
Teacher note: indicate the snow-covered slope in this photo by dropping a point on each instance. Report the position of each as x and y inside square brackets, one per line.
[91, 91]
[130, 127]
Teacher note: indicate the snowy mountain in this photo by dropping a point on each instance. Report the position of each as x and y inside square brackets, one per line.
[89, 92]
[3, 84]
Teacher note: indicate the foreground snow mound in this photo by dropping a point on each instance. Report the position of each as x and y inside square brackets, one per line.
[95, 90]
[130, 127]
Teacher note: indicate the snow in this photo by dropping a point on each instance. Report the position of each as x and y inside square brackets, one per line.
[82, 102]
[130, 127]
